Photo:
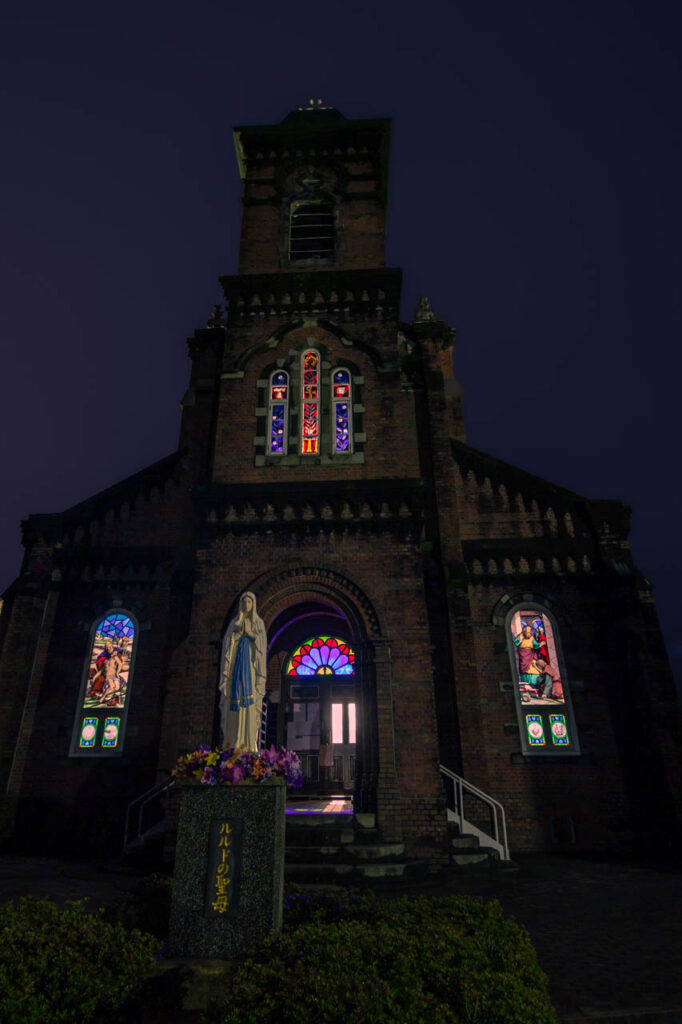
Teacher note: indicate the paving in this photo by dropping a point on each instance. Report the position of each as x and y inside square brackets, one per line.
[608, 935]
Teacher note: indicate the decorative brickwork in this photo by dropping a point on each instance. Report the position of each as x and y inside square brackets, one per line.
[408, 539]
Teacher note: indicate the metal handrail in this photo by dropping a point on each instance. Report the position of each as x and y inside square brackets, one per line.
[499, 841]
[160, 789]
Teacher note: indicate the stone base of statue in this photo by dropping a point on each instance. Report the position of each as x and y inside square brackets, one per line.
[229, 868]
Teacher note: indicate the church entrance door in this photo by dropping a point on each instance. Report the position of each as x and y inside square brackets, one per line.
[320, 715]
[316, 712]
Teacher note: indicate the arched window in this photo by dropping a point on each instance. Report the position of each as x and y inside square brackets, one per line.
[322, 656]
[343, 415]
[310, 402]
[105, 691]
[278, 413]
[311, 229]
[546, 721]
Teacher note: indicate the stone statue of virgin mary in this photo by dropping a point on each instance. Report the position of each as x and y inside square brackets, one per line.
[242, 677]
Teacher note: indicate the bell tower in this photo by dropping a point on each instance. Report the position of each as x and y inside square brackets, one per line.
[314, 192]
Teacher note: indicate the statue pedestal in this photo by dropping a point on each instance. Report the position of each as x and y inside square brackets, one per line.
[229, 868]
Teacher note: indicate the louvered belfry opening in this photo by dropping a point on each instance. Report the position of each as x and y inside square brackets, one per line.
[311, 232]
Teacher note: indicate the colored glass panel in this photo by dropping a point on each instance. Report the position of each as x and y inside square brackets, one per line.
[342, 427]
[112, 727]
[310, 393]
[322, 655]
[537, 665]
[110, 660]
[559, 730]
[341, 381]
[88, 733]
[279, 387]
[277, 414]
[535, 730]
[277, 430]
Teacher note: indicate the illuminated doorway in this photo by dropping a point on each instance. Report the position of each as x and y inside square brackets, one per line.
[319, 698]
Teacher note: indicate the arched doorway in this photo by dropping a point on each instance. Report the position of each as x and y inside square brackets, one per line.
[312, 689]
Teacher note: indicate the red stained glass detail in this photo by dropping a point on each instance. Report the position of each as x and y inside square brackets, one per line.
[279, 392]
[310, 360]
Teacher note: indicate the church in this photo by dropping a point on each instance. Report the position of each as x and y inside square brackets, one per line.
[449, 637]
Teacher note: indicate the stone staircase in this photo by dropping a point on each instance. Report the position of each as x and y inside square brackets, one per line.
[466, 851]
[327, 848]
[340, 848]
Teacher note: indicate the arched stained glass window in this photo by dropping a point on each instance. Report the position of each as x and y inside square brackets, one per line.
[322, 656]
[310, 402]
[343, 419]
[103, 704]
[278, 412]
[542, 698]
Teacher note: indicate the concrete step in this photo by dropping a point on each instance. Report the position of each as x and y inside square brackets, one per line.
[332, 836]
[464, 842]
[363, 853]
[312, 819]
[469, 858]
[323, 874]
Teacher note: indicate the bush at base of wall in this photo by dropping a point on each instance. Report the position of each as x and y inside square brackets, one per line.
[65, 965]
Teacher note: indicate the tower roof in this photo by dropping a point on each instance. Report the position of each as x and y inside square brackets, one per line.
[314, 114]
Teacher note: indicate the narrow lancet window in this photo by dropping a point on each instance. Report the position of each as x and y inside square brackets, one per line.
[278, 410]
[341, 392]
[310, 403]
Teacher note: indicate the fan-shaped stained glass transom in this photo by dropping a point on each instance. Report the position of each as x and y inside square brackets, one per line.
[322, 656]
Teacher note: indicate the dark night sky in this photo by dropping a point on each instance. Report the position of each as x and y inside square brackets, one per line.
[534, 196]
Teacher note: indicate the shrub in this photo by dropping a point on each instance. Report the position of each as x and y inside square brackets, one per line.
[450, 960]
[65, 965]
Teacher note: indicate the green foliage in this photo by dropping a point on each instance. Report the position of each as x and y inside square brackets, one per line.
[449, 960]
[66, 966]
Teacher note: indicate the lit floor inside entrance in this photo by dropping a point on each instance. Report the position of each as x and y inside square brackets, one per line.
[320, 805]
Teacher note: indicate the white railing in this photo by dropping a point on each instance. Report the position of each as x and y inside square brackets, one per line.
[497, 838]
[137, 837]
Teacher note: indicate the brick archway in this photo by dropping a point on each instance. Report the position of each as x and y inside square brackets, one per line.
[278, 592]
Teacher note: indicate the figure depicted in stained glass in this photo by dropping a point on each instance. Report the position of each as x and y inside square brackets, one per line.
[242, 677]
[537, 664]
[322, 656]
[110, 660]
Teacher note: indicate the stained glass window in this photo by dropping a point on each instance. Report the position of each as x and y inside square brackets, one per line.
[537, 669]
[322, 656]
[103, 704]
[310, 402]
[541, 690]
[278, 404]
[341, 397]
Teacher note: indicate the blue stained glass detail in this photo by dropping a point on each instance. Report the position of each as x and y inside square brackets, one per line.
[277, 430]
[116, 626]
[342, 427]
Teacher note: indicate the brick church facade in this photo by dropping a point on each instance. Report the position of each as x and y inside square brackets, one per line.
[497, 624]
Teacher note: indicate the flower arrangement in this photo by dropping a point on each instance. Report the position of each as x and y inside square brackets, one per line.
[232, 766]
